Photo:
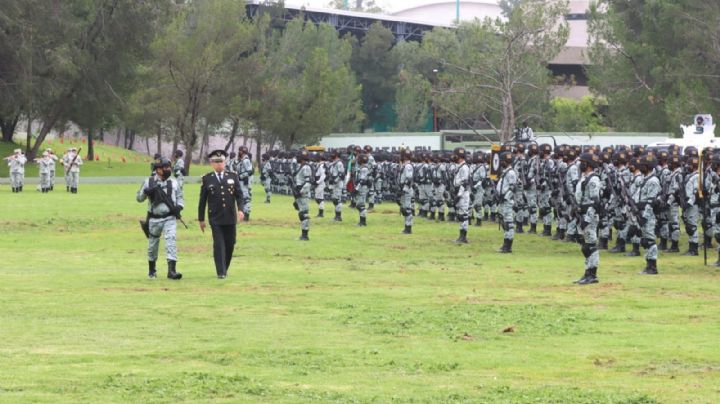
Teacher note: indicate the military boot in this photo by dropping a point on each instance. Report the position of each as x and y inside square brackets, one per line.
[558, 234]
[506, 247]
[152, 273]
[21, 187]
[619, 246]
[432, 215]
[603, 243]
[321, 213]
[650, 268]
[570, 238]
[493, 217]
[635, 252]
[171, 271]
[692, 250]
[533, 228]
[717, 263]
[407, 230]
[519, 227]
[663, 244]
[547, 231]
[67, 189]
[304, 236]
[338, 217]
[708, 241]
[525, 221]
[463, 237]
[363, 222]
[14, 190]
[441, 216]
[590, 278]
[585, 275]
[74, 190]
[478, 221]
[486, 216]
[371, 206]
[674, 247]
[451, 217]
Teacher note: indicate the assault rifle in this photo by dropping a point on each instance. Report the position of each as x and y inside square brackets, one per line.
[69, 167]
[158, 193]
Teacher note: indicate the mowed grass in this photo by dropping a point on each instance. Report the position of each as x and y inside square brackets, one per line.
[354, 315]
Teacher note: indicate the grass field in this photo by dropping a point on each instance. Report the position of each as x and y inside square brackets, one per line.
[354, 315]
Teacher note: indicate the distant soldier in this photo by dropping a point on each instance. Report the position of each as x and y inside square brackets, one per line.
[479, 175]
[319, 184]
[461, 185]
[245, 172]
[220, 193]
[302, 185]
[690, 204]
[337, 183]
[362, 182]
[439, 175]
[587, 198]
[74, 161]
[44, 171]
[266, 174]
[53, 163]
[165, 202]
[157, 158]
[544, 183]
[531, 180]
[505, 191]
[675, 198]
[16, 162]
[179, 167]
[646, 202]
[406, 191]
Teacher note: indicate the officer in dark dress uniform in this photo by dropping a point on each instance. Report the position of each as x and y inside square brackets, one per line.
[220, 191]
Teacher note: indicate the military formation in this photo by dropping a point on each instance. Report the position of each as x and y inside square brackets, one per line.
[47, 163]
[588, 193]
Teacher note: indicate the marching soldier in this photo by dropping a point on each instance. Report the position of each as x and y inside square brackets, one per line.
[587, 197]
[165, 202]
[362, 182]
[406, 192]
[16, 162]
[179, 167]
[438, 190]
[244, 168]
[220, 192]
[302, 180]
[266, 174]
[505, 191]
[461, 185]
[520, 167]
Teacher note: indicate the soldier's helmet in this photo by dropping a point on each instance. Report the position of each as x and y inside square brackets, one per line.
[232, 155]
[608, 149]
[264, 156]
[405, 154]
[302, 156]
[178, 153]
[533, 149]
[507, 147]
[606, 157]
[162, 163]
[620, 157]
[560, 150]
[707, 152]
[638, 150]
[570, 154]
[334, 154]
[674, 161]
[460, 152]
[505, 157]
[662, 156]
[350, 148]
[715, 160]
[591, 159]
[692, 161]
[368, 148]
[156, 156]
[242, 150]
[362, 159]
[691, 151]
[545, 148]
[520, 148]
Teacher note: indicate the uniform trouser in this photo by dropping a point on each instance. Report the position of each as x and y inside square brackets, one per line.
[247, 196]
[162, 227]
[180, 180]
[378, 190]
[370, 198]
[337, 189]
[714, 213]
[361, 200]
[425, 195]
[520, 206]
[17, 179]
[438, 198]
[267, 184]
[648, 233]
[52, 178]
[44, 180]
[319, 192]
[462, 207]
[674, 222]
[605, 225]
[74, 179]
[545, 208]
[690, 218]
[560, 213]
[223, 246]
[532, 203]
[634, 225]
[406, 206]
[588, 230]
[477, 202]
[303, 207]
[572, 224]
[663, 223]
[508, 216]
[68, 181]
[488, 200]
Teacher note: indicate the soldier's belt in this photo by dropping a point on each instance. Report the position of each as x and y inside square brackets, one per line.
[153, 216]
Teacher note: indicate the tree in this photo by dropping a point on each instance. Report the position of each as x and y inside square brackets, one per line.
[655, 62]
[569, 115]
[496, 70]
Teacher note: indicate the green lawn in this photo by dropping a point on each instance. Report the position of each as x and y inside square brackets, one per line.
[109, 160]
[354, 315]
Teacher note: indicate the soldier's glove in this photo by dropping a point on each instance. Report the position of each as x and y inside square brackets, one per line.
[149, 191]
[176, 211]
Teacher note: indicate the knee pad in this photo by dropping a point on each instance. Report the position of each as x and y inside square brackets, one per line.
[545, 211]
[507, 226]
[335, 202]
[645, 243]
[463, 218]
[303, 216]
[532, 211]
[690, 229]
[360, 206]
[319, 201]
[406, 212]
[586, 250]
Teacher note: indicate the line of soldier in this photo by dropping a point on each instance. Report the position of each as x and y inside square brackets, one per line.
[587, 192]
[71, 160]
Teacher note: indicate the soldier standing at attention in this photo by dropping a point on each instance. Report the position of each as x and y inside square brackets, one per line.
[179, 167]
[44, 164]
[220, 192]
[302, 180]
[362, 183]
[165, 202]
[587, 196]
[319, 184]
[337, 183]
[53, 160]
[405, 181]
[245, 171]
[73, 168]
[506, 194]
[266, 176]
[16, 162]
[690, 207]
[646, 202]
[461, 185]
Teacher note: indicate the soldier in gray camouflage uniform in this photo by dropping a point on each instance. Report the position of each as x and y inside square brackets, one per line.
[690, 206]
[319, 184]
[646, 202]
[362, 183]
[44, 164]
[16, 162]
[337, 183]
[587, 197]
[545, 178]
[244, 168]
[266, 174]
[505, 191]
[405, 182]
[162, 217]
[479, 176]
[461, 185]
[179, 167]
[302, 182]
